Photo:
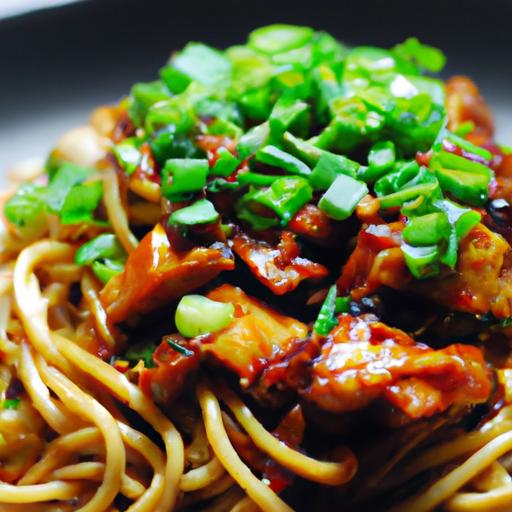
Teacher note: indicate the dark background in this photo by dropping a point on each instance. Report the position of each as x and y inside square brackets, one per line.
[56, 65]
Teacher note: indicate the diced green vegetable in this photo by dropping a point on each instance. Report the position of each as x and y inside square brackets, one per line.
[181, 176]
[11, 403]
[143, 95]
[327, 169]
[253, 178]
[253, 140]
[67, 176]
[225, 164]
[342, 304]
[469, 147]
[141, 352]
[200, 212]
[342, 197]
[197, 62]
[127, 154]
[274, 39]
[326, 319]
[271, 155]
[105, 246]
[427, 57]
[285, 113]
[107, 269]
[465, 186]
[27, 207]
[406, 194]
[380, 160]
[286, 196]
[184, 351]
[196, 315]
[427, 229]
[81, 202]
[393, 181]
[422, 262]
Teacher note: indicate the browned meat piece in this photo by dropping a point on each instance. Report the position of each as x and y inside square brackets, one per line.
[480, 283]
[464, 103]
[281, 268]
[155, 275]
[257, 336]
[365, 363]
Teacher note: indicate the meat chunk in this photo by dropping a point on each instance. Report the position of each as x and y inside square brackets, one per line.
[377, 260]
[175, 363]
[364, 361]
[155, 274]
[281, 269]
[257, 336]
[481, 282]
[464, 103]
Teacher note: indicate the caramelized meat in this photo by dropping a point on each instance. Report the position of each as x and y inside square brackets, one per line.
[172, 370]
[281, 269]
[155, 274]
[256, 337]
[482, 280]
[480, 283]
[364, 360]
[377, 260]
[464, 103]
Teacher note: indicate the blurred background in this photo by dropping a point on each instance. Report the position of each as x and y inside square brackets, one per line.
[58, 63]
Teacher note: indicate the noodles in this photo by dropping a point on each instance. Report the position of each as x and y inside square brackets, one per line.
[328, 473]
[224, 451]
[116, 212]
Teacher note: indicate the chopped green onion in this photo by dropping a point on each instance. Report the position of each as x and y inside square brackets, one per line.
[105, 246]
[422, 262]
[252, 178]
[200, 212]
[427, 229]
[27, 207]
[127, 154]
[196, 315]
[427, 57]
[66, 177]
[469, 147]
[380, 160]
[406, 194]
[274, 39]
[197, 62]
[326, 320]
[271, 155]
[174, 114]
[464, 128]
[342, 197]
[105, 270]
[141, 352]
[11, 403]
[253, 140]
[467, 187]
[286, 196]
[445, 160]
[81, 202]
[342, 304]
[225, 164]
[393, 181]
[327, 169]
[183, 176]
[143, 95]
[285, 113]
[184, 351]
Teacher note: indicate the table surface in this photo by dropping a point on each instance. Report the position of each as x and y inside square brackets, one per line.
[57, 65]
